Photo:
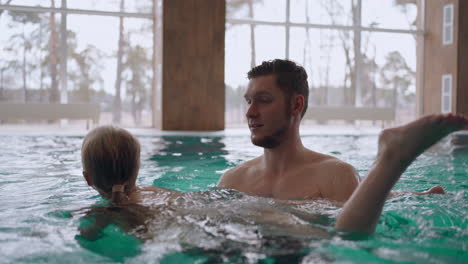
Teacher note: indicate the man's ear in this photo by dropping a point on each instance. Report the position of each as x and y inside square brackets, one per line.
[87, 178]
[298, 104]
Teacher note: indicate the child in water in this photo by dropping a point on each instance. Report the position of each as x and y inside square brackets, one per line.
[111, 160]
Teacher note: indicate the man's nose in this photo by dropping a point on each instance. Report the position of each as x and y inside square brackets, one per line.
[252, 111]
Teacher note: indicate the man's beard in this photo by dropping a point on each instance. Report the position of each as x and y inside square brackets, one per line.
[272, 140]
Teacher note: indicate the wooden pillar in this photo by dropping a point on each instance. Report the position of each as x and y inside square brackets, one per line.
[193, 92]
[445, 59]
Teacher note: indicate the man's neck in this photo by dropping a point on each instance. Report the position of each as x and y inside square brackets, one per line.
[280, 159]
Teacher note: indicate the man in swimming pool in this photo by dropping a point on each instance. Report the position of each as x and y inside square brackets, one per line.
[277, 96]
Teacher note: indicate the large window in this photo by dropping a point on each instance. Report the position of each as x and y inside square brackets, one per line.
[96, 52]
[359, 53]
[356, 53]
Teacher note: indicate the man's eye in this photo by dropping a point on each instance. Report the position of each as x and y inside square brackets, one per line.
[248, 101]
[265, 100]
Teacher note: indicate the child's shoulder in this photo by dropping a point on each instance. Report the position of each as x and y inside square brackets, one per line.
[154, 194]
[153, 189]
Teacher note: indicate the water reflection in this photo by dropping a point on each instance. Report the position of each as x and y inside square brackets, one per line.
[189, 163]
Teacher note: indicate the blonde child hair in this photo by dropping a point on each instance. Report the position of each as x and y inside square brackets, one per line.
[111, 160]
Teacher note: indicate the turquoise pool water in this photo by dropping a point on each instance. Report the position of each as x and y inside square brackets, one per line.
[44, 201]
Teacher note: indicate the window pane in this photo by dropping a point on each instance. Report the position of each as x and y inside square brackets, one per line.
[389, 66]
[237, 64]
[139, 6]
[269, 43]
[93, 66]
[331, 12]
[448, 14]
[23, 51]
[327, 56]
[448, 36]
[266, 10]
[447, 84]
[31, 60]
[446, 107]
[101, 5]
[389, 14]
[237, 54]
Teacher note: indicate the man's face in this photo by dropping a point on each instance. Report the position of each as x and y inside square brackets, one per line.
[268, 113]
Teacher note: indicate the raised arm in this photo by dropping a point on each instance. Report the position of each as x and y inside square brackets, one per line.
[398, 147]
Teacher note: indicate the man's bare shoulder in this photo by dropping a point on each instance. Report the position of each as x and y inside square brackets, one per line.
[234, 176]
[316, 160]
[335, 164]
[337, 179]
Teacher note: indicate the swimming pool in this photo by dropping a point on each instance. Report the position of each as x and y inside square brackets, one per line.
[43, 197]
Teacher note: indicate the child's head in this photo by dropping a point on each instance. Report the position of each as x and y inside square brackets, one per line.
[111, 159]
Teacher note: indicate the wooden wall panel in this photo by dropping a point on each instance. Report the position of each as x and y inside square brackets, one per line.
[462, 79]
[193, 65]
[439, 59]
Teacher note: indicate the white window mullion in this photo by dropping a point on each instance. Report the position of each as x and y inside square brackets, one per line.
[288, 21]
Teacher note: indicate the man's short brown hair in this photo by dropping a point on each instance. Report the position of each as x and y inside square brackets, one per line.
[290, 77]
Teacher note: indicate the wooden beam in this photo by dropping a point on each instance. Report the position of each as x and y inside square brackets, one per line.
[193, 65]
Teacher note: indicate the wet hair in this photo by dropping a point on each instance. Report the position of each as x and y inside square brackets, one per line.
[111, 158]
[290, 77]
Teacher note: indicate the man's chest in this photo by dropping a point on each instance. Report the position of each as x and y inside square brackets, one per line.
[290, 186]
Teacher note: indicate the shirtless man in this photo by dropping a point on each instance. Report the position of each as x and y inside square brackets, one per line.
[277, 96]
